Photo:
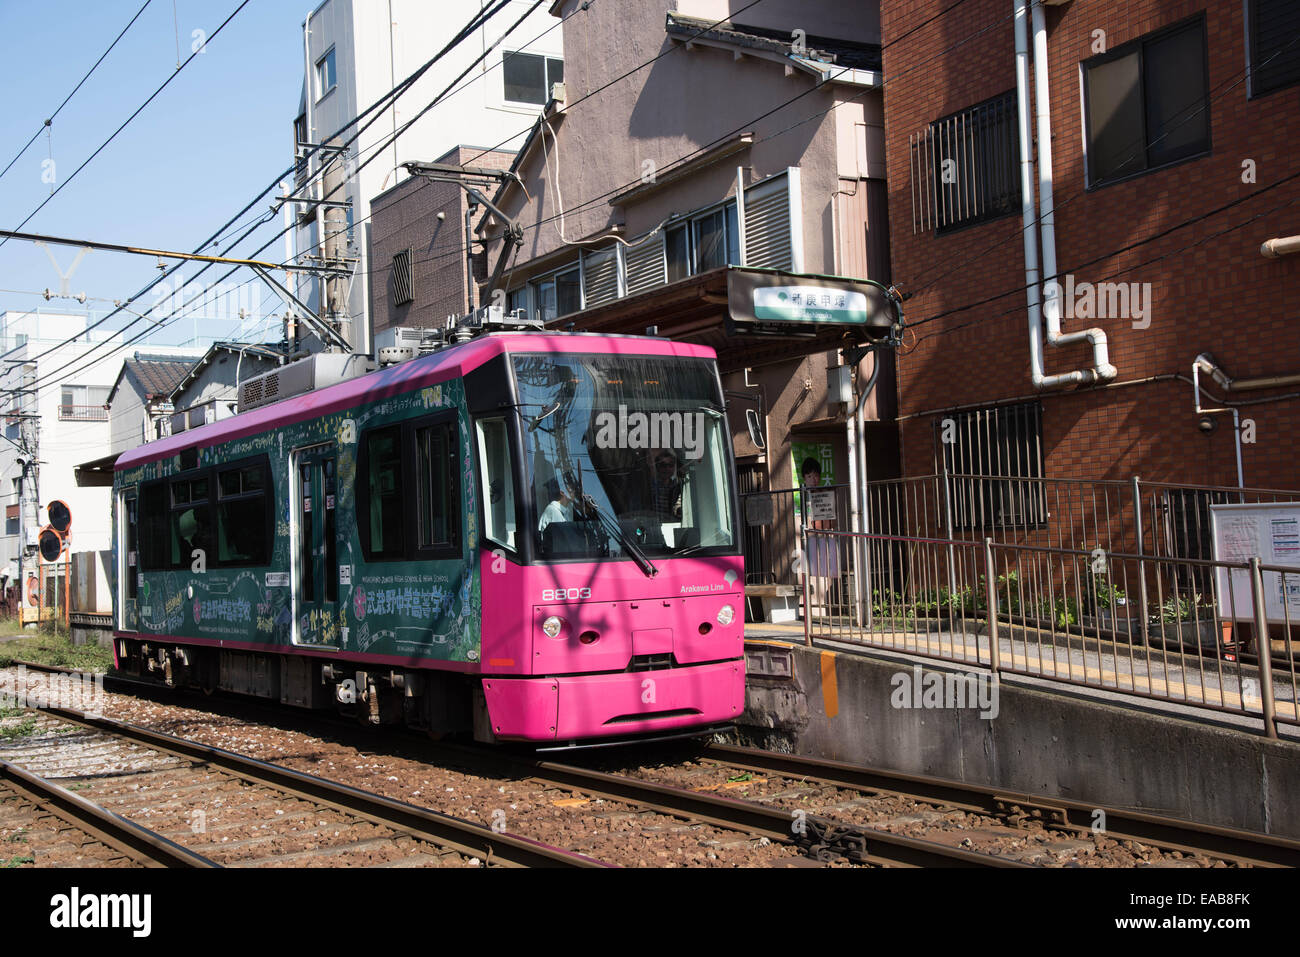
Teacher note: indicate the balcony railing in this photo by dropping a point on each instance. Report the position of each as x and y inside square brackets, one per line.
[83, 413]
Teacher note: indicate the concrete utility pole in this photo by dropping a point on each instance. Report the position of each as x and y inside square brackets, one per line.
[334, 302]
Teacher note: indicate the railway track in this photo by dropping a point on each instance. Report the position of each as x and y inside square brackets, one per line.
[826, 835]
[1238, 847]
[244, 812]
[65, 829]
[821, 838]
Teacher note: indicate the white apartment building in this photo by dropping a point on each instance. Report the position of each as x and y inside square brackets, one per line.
[54, 420]
[355, 51]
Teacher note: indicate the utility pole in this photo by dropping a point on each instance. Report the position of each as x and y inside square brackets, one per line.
[334, 301]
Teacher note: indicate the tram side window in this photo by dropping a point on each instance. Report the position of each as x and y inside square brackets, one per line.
[191, 520]
[382, 536]
[437, 487]
[153, 526]
[242, 532]
[498, 482]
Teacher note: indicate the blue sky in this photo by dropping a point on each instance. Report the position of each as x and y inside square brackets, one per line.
[201, 150]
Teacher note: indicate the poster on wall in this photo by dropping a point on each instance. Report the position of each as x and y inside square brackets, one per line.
[823, 453]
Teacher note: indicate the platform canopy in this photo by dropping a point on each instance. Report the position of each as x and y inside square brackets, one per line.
[750, 317]
[97, 473]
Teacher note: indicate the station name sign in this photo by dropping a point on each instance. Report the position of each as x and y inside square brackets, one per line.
[791, 304]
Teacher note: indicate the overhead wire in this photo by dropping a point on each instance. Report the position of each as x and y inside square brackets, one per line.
[480, 18]
[50, 119]
[140, 109]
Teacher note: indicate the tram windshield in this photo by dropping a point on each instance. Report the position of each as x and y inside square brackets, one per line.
[626, 456]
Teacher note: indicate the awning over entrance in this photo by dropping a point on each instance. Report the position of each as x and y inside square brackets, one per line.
[96, 474]
[751, 317]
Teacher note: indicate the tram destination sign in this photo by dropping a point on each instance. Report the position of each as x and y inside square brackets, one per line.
[788, 304]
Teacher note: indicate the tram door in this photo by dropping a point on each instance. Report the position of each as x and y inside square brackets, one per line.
[315, 547]
[128, 561]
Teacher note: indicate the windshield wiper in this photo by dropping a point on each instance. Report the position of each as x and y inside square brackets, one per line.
[611, 526]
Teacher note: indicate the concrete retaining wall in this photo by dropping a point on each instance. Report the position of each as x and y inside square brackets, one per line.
[838, 705]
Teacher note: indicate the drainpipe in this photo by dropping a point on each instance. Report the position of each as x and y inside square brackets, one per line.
[1282, 246]
[859, 512]
[1101, 370]
[1205, 362]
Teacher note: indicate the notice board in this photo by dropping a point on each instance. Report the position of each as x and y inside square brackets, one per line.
[1270, 531]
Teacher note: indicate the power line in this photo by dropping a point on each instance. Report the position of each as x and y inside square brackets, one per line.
[125, 122]
[1138, 145]
[480, 18]
[1115, 252]
[80, 83]
[1119, 272]
[776, 109]
[477, 20]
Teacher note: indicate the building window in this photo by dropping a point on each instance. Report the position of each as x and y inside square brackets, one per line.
[81, 403]
[965, 168]
[403, 280]
[994, 460]
[299, 151]
[1272, 48]
[326, 77]
[706, 241]
[1147, 103]
[558, 295]
[529, 77]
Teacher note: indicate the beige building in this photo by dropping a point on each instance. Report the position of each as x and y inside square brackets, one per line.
[746, 160]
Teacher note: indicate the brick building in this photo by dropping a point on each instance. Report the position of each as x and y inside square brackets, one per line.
[1170, 163]
[419, 265]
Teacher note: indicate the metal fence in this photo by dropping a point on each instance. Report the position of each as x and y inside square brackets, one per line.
[1187, 630]
[1129, 516]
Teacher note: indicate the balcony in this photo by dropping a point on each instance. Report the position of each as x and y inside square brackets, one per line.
[83, 413]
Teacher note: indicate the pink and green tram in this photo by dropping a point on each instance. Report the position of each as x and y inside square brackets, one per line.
[527, 537]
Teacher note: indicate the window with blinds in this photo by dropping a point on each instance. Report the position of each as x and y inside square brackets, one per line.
[767, 224]
[644, 262]
[599, 277]
[1273, 44]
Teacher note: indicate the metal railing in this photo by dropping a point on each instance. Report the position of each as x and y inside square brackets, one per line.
[1115, 515]
[1187, 630]
[83, 413]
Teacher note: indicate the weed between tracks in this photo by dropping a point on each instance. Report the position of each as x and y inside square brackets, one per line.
[20, 730]
[48, 648]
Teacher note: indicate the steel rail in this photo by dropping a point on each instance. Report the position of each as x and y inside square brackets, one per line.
[1243, 847]
[138, 843]
[824, 839]
[444, 830]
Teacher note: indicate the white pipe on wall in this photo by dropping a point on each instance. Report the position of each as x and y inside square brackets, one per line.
[1029, 234]
[1101, 370]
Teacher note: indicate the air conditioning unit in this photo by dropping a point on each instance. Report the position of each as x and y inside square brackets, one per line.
[202, 413]
[305, 375]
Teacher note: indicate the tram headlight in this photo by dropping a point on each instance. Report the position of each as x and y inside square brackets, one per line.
[725, 614]
[551, 626]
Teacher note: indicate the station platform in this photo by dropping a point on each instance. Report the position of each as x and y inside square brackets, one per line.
[915, 714]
